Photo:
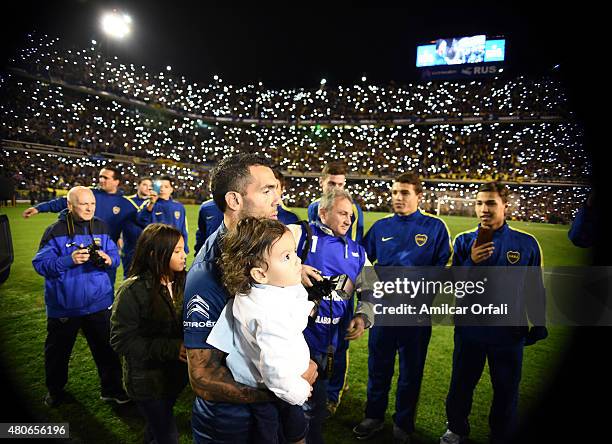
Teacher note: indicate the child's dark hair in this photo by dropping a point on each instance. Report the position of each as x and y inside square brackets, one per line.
[245, 248]
[152, 256]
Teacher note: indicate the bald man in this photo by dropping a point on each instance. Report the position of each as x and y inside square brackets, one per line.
[74, 255]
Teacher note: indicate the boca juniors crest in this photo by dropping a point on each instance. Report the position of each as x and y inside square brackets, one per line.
[177, 215]
[116, 210]
[420, 239]
[513, 256]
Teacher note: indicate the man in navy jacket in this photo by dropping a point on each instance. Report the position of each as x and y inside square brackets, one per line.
[209, 219]
[78, 295]
[131, 228]
[408, 238]
[501, 346]
[162, 209]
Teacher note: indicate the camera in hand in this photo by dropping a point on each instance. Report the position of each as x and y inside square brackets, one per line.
[94, 257]
[324, 288]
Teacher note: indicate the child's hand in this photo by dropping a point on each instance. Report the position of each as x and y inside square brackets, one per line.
[311, 374]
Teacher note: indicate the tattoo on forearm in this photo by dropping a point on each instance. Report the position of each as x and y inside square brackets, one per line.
[213, 381]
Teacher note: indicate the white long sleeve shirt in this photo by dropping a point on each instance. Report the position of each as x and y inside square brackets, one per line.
[264, 340]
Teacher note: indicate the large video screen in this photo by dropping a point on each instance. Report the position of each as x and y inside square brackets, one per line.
[461, 50]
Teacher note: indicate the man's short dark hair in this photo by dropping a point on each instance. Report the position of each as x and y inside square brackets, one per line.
[411, 178]
[495, 187]
[233, 174]
[115, 170]
[142, 179]
[334, 169]
[279, 176]
[168, 178]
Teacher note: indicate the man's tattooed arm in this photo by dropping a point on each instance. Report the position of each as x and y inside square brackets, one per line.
[211, 380]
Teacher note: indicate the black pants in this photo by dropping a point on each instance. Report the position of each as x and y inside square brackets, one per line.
[411, 343]
[278, 422]
[161, 424]
[61, 335]
[505, 363]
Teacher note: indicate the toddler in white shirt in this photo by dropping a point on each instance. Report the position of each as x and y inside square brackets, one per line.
[261, 327]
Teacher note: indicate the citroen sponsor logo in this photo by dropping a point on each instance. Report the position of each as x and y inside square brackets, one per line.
[198, 305]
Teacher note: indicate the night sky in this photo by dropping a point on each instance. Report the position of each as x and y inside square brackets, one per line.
[297, 47]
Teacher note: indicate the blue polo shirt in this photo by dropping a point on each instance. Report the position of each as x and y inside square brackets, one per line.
[285, 216]
[209, 219]
[205, 298]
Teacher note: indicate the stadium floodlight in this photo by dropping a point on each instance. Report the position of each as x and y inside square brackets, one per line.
[363, 78]
[116, 24]
[323, 81]
[169, 68]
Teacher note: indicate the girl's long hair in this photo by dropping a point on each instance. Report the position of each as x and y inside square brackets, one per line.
[154, 249]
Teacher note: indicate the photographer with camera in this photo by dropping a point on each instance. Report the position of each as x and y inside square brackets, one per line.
[328, 254]
[113, 207]
[74, 256]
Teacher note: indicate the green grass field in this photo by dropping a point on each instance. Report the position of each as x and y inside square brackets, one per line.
[23, 330]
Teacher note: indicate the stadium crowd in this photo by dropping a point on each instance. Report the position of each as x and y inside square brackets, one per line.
[40, 112]
[38, 172]
[91, 67]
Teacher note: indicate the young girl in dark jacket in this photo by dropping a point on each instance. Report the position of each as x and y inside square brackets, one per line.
[146, 329]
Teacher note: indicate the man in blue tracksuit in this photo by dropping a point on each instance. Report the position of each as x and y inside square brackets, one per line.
[131, 228]
[501, 346]
[209, 219]
[111, 206]
[409, 238]
[242, 186]
[285, 215]
[331, 253]
[162, 209]
[334, 176]
[78, 295]
[583, 229]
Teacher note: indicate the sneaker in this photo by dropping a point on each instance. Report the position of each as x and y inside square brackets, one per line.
[452, 438]
[330, 408]
[400, 436]
[368, 428]
[53, 399]
[119, 398]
